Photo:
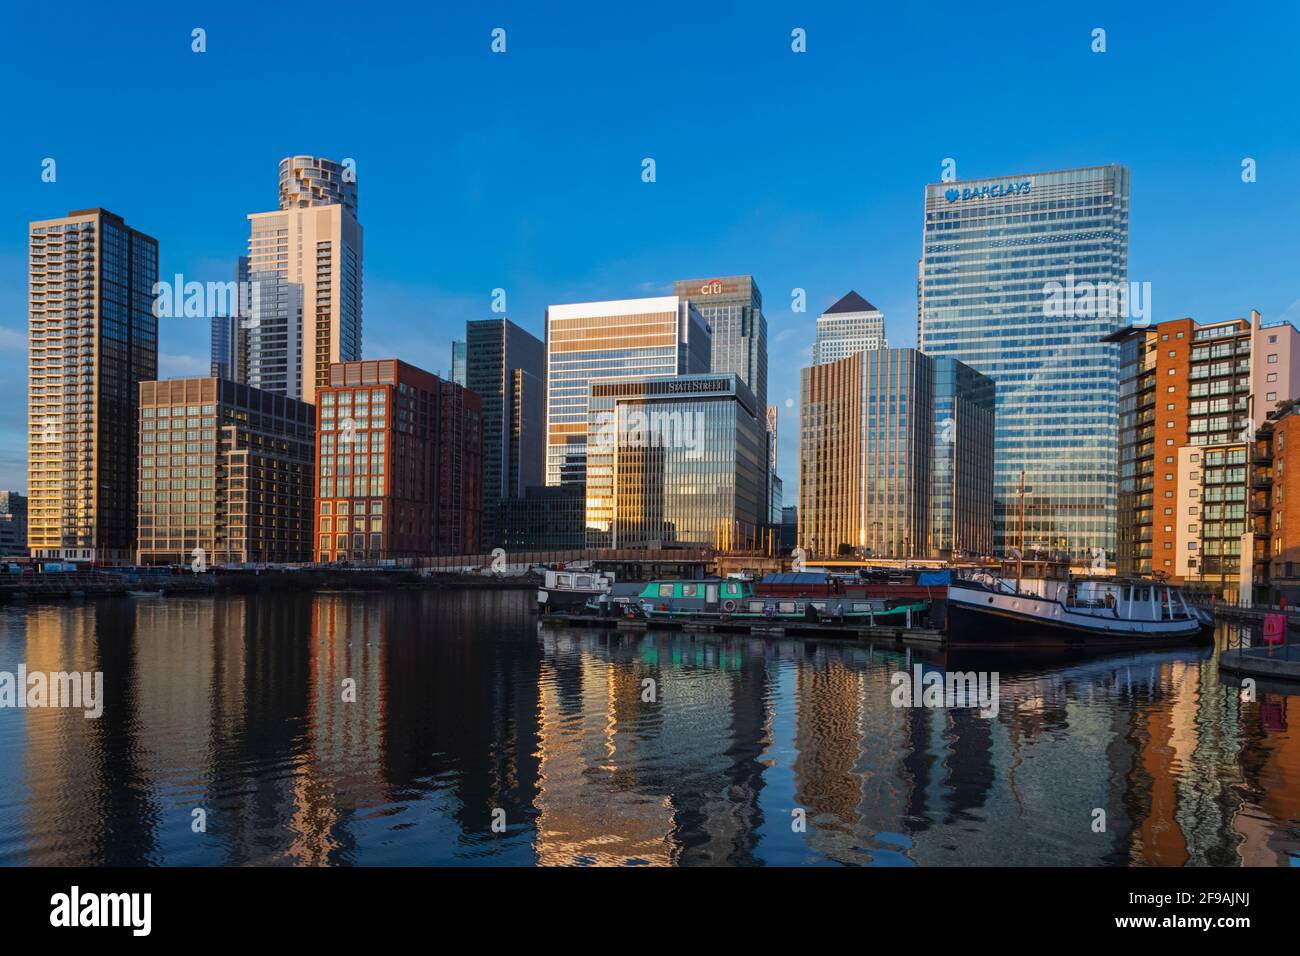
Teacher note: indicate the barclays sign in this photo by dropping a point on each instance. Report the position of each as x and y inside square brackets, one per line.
[996, 191]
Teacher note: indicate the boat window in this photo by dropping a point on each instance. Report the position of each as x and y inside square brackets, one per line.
[860, 607]
[819, 605]
[564, 580]
[786, 607]
[688, 590]
[730, 589]
[665, 590]
[756, 607]
[584, 580]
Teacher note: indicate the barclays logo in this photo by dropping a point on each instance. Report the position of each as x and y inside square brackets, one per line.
[997, 191]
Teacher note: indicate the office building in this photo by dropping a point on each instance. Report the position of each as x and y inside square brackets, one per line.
[13, 524]
[93, 337]
[458, 359]
[305, 273]
[1190, 397]
[544, 518]
[399, 460]
[226, 474]
[1021, 277]
[732, 308]
[675, 462]
[895, 454]
[589, 341]
[229, 346]
[774, 484]
[789, 539]
[506, 367]
[849, 326]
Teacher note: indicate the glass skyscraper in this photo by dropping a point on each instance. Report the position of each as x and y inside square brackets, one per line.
[92, 339]
[588, 341]
[997, 254]
[851, 325]
[733, 308]
[895, 456]
[506, 365]
[305, 267]
[675, 461]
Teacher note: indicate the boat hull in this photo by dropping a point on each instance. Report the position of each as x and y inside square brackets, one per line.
[549, 599]
[990, 625]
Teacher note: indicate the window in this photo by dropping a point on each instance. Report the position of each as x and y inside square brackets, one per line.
[665, 590]
[1272, 359]
[1271, 377]
[1271, 397]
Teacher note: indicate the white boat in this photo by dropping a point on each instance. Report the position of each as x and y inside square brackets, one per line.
[1040, 604]
[563, 589]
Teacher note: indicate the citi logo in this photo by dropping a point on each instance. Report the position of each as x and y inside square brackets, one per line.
[712, 287]
[75, 909]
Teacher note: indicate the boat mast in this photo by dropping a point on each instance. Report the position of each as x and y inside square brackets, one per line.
[1020, 534]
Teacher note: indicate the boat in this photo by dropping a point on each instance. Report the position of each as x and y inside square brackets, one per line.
[569, 589]
[731, 599]
[1040, 603]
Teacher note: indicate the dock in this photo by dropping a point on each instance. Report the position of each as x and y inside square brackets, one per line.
[756, 628]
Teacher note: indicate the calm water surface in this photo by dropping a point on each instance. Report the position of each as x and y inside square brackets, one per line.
[467, 713]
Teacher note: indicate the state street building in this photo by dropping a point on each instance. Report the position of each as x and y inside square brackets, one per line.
[675, 461]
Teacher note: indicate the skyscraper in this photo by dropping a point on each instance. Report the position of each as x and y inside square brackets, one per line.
[93, 337]
[732, 307]
[996, 255]
[675, 461]
[229, 348]
[851, 325]
[506, 367]
[305, 269]
[458, 357]
[588, 341]
[895, 456]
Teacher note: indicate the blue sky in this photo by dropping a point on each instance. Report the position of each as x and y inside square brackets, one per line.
[523, 170]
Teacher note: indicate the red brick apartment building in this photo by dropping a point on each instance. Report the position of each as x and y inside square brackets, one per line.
[398, 463]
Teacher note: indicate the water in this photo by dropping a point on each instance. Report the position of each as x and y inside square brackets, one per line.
[478, 738]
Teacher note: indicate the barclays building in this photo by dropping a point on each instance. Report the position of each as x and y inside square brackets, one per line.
[998, 256]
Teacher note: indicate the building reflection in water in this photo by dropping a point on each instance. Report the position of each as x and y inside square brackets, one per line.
[610, 747]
